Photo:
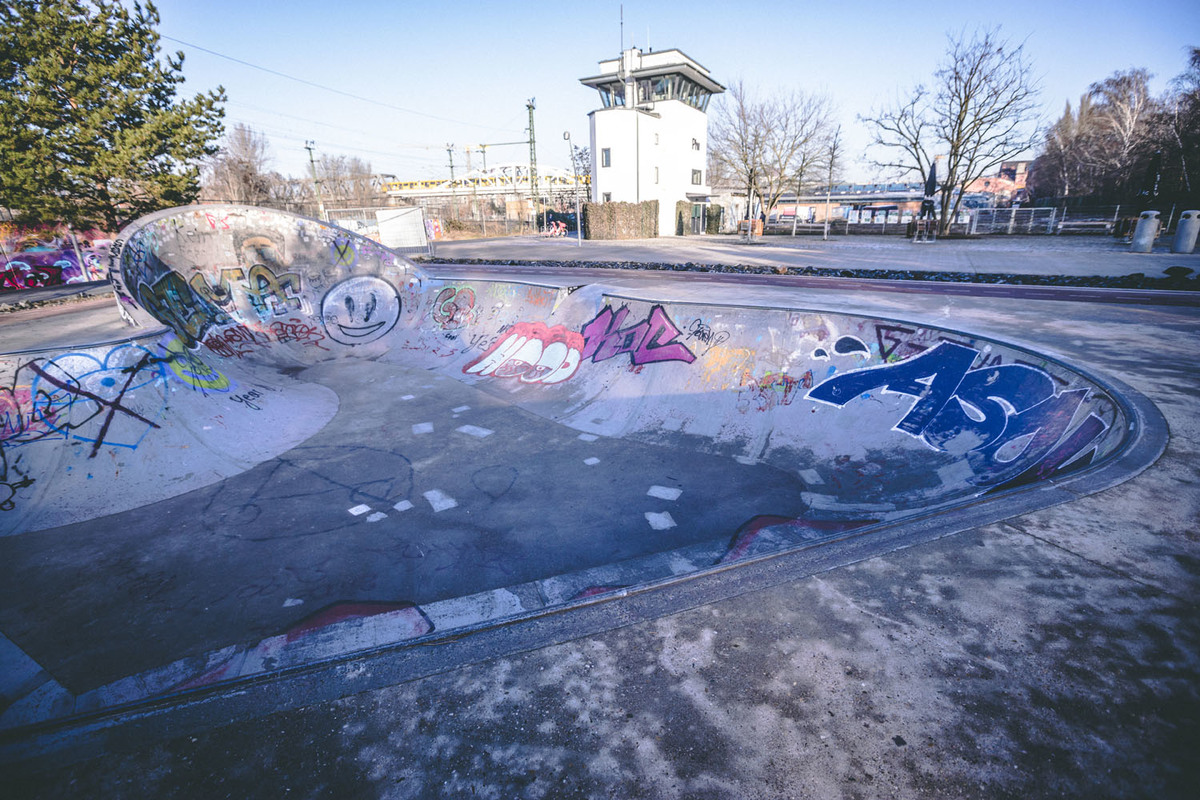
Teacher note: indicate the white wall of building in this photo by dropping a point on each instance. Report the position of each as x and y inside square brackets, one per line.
[653, 148]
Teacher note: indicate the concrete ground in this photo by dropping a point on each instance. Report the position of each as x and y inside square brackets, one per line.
[1036, 255]
[1055, 653]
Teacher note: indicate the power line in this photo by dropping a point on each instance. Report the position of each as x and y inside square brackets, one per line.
[310, 121]
[352, 96]
[294, 136]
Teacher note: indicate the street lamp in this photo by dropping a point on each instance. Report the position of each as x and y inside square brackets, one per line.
[575, 191]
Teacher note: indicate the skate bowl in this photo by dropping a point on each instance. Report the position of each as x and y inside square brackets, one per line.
[341, 452]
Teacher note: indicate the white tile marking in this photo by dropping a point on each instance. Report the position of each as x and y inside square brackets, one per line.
[475, 430]
[811, 477]
[408, 397]
[660, 521]
[440, 500]
[359, 510]
[664, 492]
[422, 427]
[292, 601]
[403, 505]
[747, 460]
[591, 462]
[378, 515]
[588, 437]
[461, 409]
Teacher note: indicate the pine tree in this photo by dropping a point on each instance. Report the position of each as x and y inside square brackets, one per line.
[91, 132]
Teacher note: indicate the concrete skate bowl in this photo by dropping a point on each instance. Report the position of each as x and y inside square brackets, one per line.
[314, 448]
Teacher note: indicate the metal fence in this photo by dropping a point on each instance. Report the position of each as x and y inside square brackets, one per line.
[1045, 220]
[1014, 220]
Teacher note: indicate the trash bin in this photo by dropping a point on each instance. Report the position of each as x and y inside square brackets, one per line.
[1145, 233]
[1185, 233]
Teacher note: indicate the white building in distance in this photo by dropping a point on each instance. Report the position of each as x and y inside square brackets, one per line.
[649, 140]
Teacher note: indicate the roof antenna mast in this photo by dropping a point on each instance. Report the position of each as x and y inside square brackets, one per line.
[622, 48]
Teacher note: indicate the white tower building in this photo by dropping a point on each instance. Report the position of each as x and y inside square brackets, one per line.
[649, 140]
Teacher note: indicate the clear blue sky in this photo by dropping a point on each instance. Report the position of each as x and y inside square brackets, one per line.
[460, 73]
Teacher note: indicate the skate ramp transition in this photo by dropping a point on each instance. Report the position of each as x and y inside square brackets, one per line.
[260, 332]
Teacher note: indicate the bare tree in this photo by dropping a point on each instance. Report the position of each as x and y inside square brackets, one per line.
[769, 146]
[903, 132]
[292, 194]
[348, 181]
[239, 172]
[737, 139]
[1181, 126]
[1130, 123]
[581, 161]
[1071, 161]
[1120, 143]
[1124, 107]
[976, 113]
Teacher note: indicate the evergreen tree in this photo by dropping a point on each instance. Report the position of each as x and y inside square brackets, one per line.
[92, 134]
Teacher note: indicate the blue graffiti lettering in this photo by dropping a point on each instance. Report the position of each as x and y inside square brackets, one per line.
[1008, 418]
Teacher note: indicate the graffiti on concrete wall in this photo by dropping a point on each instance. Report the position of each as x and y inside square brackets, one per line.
[652, 340]
[360, 310]
[171, 300]
[81, 397]
[1007, 419]
[236, 341]
[701, 332]
[270, 294]
[193, 370]
[454, 308]
[50, 258]
[531, 353]
[772, 390]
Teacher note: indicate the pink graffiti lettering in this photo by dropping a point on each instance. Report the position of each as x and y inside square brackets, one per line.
[532, 353]
[217, 223]
[22, 418]
[647, 342]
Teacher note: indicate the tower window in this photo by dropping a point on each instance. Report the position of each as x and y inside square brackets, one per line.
[606, 157]
[697, 177]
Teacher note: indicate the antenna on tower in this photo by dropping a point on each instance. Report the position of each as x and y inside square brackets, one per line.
[621, 49]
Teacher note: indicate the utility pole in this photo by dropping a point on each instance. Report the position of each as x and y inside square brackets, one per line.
[533, 181]
[475, 194]
[453, 204]
[834, 146]
[575, 190]
[309, 145]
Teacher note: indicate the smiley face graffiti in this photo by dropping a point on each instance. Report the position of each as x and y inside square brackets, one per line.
[360, 310]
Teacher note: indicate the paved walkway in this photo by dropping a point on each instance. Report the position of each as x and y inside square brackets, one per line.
[1054, 653]
[1036, 255]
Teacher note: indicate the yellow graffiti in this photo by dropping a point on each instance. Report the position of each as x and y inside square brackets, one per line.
[193, 370]
[222, 293]
[266, 286]
[723, 367]
[170, 300]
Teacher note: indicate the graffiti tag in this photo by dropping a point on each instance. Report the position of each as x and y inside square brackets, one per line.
[532, 353]
[1007, 418]
[647, 342]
